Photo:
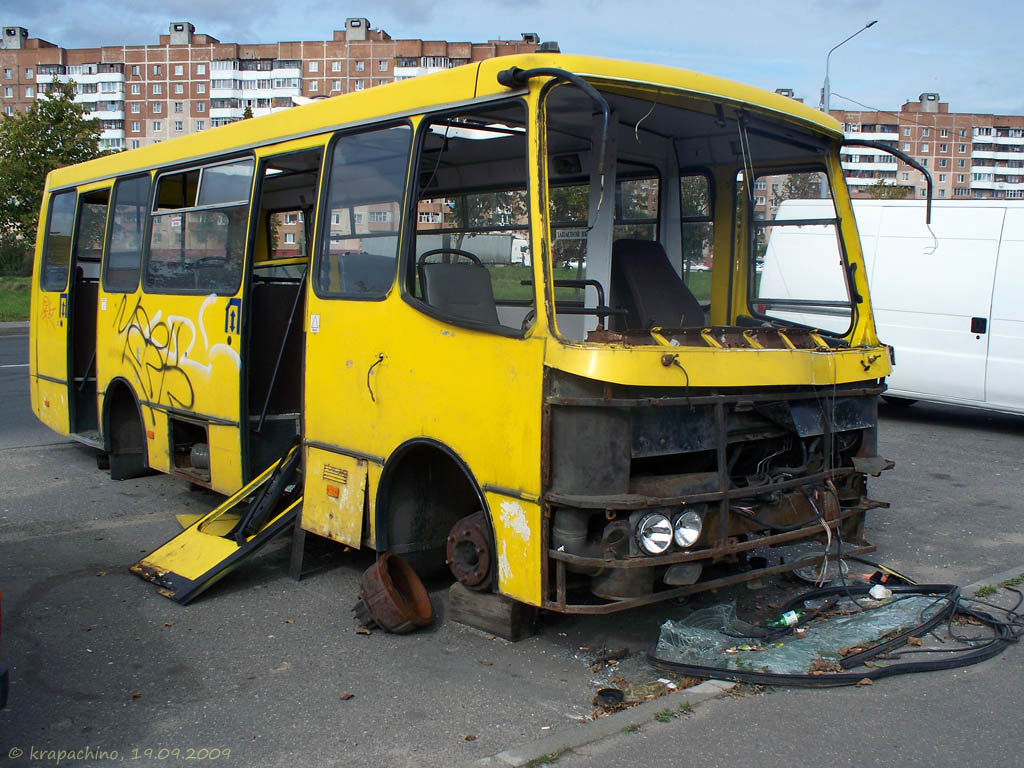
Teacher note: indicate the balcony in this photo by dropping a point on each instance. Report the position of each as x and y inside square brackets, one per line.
[876, 166]
[994, 185]
[982, 154]
[1001, 171]
[1004, 140]
[234, 113]
[404, 73]
[873, 136]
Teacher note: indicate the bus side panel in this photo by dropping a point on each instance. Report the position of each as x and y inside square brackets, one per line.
[52, 399]
[380, 373]
[181, 353]
[517, 525]
[49, 340]
[157, 438]
[226, 456]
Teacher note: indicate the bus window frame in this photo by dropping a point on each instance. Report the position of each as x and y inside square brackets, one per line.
[108, 234]
[577, 181]
[322, 227]
[710, 218]
[836, 221]
[407, 256]
[154, 191]
[71, 240]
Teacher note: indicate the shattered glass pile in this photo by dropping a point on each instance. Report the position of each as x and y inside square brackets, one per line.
[715, 637]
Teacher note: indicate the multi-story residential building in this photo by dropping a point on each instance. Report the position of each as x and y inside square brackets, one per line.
[969, 155]
[189, 82]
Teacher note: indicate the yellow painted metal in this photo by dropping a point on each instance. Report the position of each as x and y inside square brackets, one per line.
[186, 520]
[51, 405]
[225, 457]
[202, 546]
[177, 352]
[334, 495]
[221, 526]
[517, 524]
[642, 366]
[48, 342]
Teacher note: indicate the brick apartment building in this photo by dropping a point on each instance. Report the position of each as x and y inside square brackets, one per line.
[189, 82]
[970, 155]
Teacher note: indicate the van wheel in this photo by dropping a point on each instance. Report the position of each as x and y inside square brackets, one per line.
[898, 402]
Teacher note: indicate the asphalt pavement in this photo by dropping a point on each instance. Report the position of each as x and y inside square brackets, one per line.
[257, 668]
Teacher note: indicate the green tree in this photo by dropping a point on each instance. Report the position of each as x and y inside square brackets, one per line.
[569, 205]
[247, 112]
[51, 133]
[885, 190]
[695, 203]
[801, 186]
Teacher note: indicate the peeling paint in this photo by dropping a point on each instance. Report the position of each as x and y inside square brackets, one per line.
[514, 518]
[504, 569]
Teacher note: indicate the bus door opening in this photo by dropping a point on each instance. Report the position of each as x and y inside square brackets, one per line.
[280, 259]
[85, 276]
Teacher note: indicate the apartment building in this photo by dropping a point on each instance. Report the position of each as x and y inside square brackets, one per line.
[969, 155]
[189, 82]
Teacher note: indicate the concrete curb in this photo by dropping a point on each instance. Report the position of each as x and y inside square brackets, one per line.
[594, 730]
[14, 329]
[993, 581]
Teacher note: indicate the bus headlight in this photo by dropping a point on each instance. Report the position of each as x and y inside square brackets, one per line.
[654, 533]
[686, 530]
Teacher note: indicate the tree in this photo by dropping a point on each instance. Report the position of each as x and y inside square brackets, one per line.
[885, 190]
[247, 112]
[695, 202]
[569, 205]
[801, 186]
[52, 133]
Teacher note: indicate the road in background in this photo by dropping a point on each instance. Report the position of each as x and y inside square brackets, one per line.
[19, 426]
[258, 665]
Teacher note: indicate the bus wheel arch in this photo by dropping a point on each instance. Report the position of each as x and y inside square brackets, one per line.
[426, 491]
[124, 432]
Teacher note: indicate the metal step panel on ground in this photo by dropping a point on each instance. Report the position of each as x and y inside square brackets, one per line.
[212, 546]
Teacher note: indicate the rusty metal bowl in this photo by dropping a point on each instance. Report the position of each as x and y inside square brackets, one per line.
[393, 597]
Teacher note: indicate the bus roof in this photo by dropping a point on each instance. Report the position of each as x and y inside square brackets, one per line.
[458, 85]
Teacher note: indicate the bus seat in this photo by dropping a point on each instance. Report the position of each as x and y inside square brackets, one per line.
[366, 273]
[461, 290]
[645, 284]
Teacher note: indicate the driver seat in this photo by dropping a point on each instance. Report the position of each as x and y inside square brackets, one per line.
[644, 282]
[460, 290]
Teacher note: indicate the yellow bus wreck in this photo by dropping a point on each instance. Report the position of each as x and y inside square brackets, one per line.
[503, 320]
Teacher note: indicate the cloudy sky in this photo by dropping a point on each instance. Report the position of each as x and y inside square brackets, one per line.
[966, 53]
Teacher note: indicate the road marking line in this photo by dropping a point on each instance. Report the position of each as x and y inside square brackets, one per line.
[17, 365]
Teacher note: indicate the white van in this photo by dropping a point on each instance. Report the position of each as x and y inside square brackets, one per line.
[951, 305]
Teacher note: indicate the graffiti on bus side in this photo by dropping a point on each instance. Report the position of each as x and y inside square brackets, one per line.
[162, 352]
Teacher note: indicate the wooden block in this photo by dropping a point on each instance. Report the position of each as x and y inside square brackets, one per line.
[490, 612]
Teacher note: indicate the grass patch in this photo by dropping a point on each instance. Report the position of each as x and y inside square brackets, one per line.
[631, 728]
[986, 590]
[666, 715]
[1016, 581]
[15, 293]
[549, 759]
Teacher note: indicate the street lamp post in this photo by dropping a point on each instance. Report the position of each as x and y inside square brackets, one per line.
[824, 105]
